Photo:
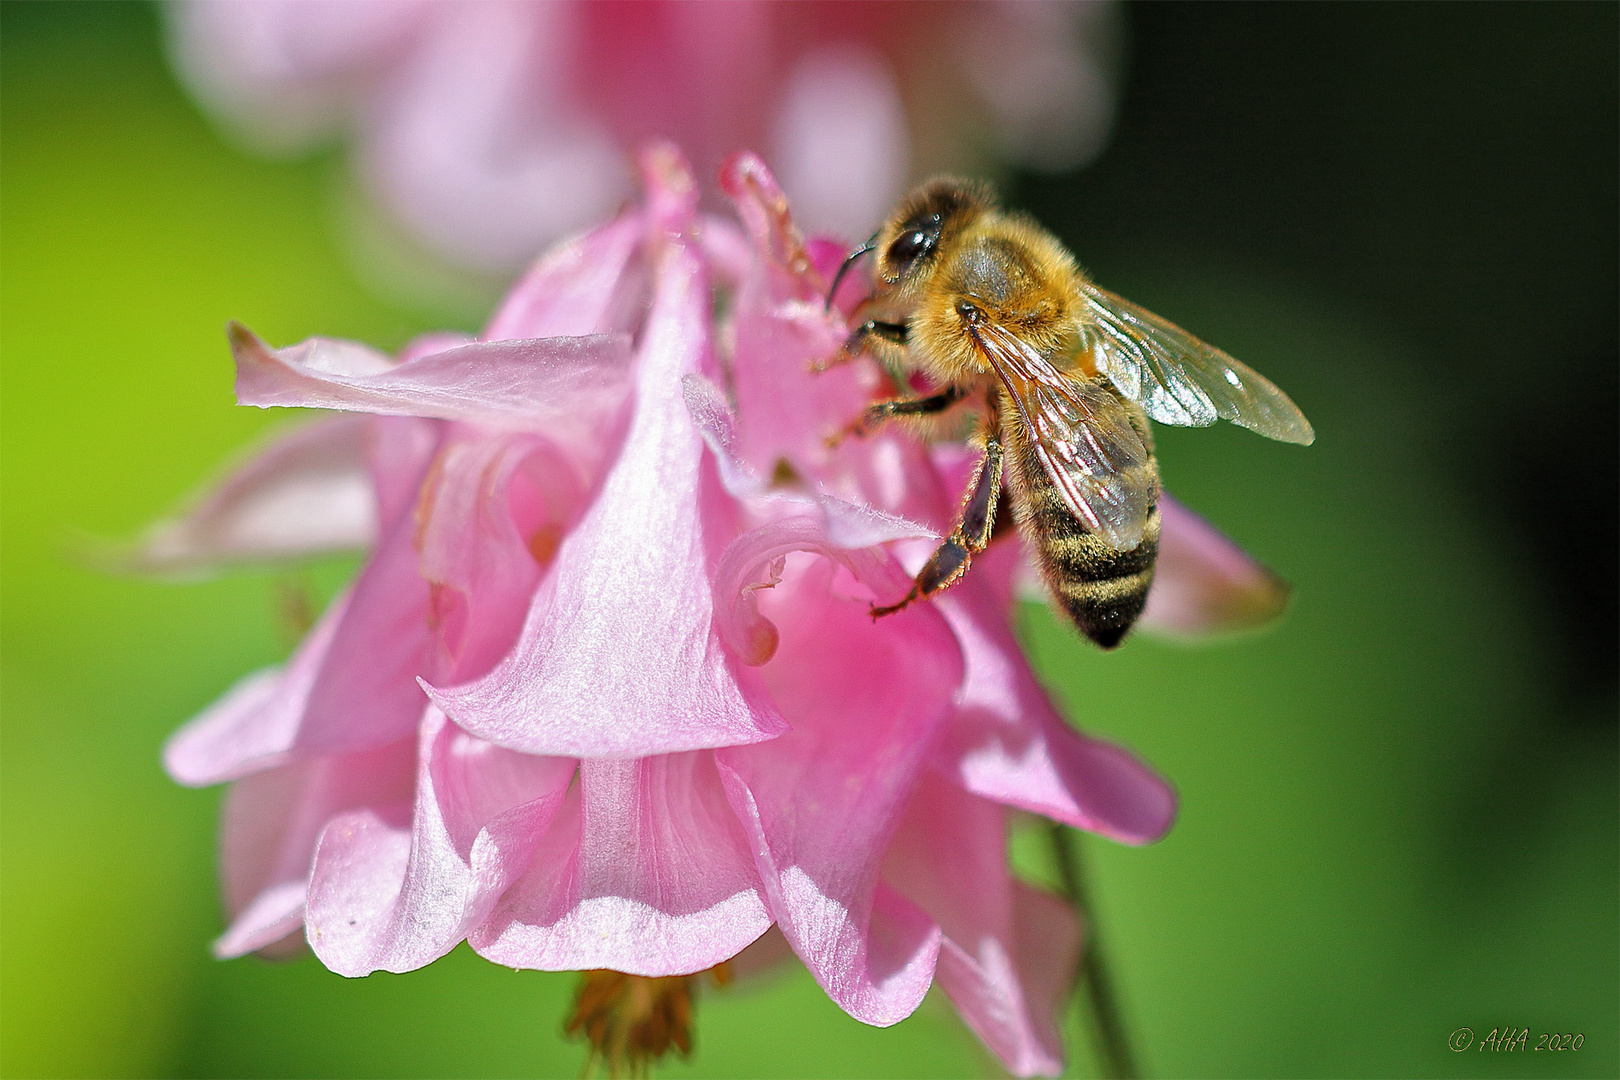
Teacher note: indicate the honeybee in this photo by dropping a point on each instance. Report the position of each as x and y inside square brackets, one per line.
[996, 313]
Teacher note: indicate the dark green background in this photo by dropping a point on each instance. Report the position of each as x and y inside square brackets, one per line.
[1399, 808]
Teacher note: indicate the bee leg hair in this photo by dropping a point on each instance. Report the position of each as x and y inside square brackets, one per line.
[974, 527]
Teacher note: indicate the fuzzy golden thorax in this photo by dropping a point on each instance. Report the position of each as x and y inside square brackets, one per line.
[1004, 271]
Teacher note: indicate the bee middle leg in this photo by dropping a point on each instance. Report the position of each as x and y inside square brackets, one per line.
[972, 533]
[878, 413]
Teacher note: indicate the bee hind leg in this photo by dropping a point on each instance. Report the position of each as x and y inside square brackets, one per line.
[974, 528]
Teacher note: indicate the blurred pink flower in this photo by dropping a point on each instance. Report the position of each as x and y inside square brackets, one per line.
[606, 693]
[490, 129]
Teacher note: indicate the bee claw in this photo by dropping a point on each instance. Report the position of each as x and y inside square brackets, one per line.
[822, 365]
[878, 612]
[858, 429]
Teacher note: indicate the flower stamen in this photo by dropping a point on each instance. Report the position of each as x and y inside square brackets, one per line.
[632, 1021]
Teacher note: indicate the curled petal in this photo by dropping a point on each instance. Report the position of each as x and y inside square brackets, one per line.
[819, 804]
[1049, 943]
[737, 576]
[1008, 743]
[351, 683]
[271, 822]
[564, 384]
[1205, 583]
[618, 657]
[646, 871]
[388, 893]
[305, 493]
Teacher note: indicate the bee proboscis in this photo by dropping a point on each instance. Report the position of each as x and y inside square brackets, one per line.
[996, 313]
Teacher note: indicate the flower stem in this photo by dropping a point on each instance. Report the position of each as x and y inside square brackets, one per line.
[1113, 1047]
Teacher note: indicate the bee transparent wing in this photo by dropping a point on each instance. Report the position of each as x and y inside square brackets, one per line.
[1083, 436]
[1179, 379]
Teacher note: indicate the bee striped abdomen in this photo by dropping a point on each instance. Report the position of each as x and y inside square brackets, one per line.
[1102, 589]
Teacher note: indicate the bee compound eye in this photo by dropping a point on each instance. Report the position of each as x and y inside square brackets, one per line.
[917, 238]
[910, 245]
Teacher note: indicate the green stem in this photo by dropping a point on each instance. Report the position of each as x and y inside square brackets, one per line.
[1108, 1031]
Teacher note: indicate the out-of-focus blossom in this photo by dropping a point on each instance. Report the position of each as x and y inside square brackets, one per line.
[606, 693]
[489, 129]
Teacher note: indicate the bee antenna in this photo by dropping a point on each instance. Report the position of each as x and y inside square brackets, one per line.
[843, 268]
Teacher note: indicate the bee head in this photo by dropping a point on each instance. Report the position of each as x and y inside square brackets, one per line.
[929, 216]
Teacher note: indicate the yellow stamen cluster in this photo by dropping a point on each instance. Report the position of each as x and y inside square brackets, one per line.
[632, 1021]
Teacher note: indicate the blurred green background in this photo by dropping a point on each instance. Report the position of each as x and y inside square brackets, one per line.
[1399, 808]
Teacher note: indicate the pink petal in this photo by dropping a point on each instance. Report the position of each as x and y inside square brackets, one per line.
[1009, 744]
[782, 328]
[865, 700]
[564, 385]
[645, 871]
[437, 341]
[1205, 583]
[726, 249]
[619, 657]
[950, 857]
[401, 451]
[352, 681]
[271, 822]
[304, 493]
[392, 892]
[1050, 941]
[493, 510]
[572, 289]
[256, 723]
[366, 692]
[669, 189]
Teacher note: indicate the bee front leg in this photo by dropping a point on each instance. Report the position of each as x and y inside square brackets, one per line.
[886, 335]
[972, 533]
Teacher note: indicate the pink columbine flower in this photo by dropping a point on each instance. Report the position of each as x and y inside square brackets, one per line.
[489, 129]
[606, 693]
